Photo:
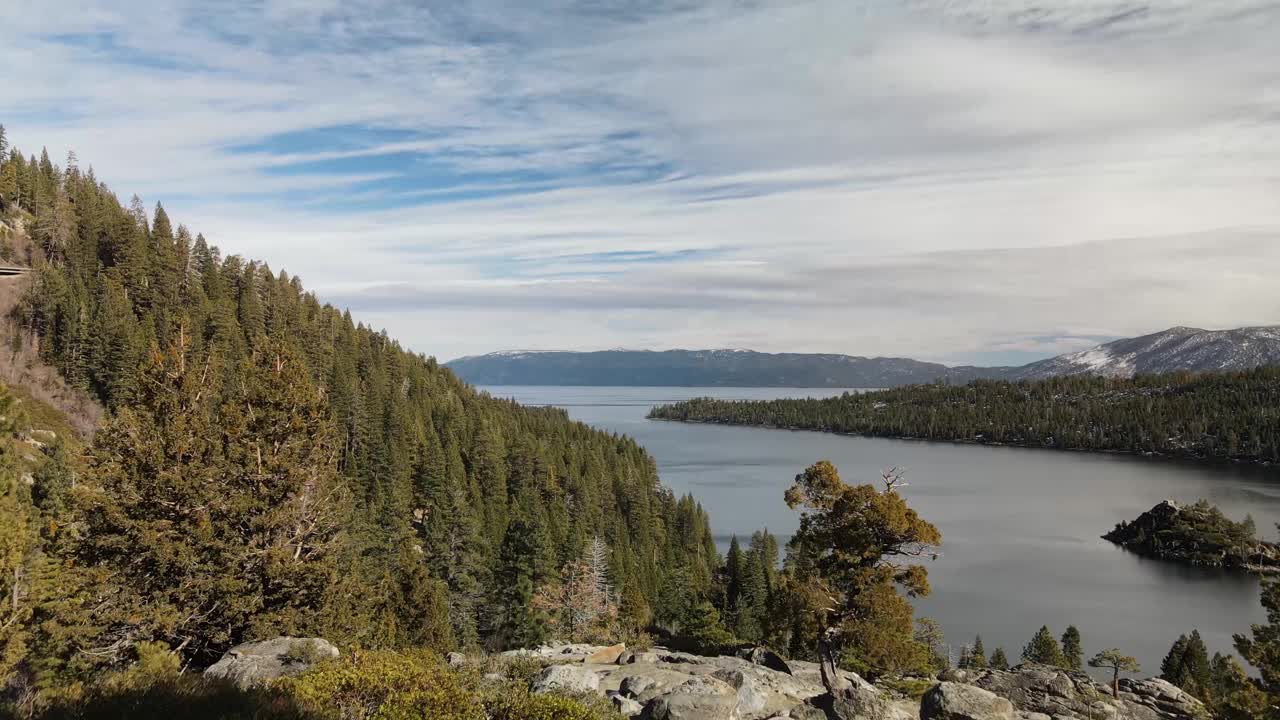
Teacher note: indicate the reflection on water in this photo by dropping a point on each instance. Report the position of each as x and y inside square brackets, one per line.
[1021, 527]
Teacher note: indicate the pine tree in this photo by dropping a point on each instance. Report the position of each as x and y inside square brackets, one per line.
[212, 521]
[998, 660]
[9, 189]
[18, 543]
[856, 535]
[633, 609]
[1072, 652]
[1043, 649]
[1171, 667]
[517, 624]
[733, 575]
[978, 654]
[1235, 696]
[1117, 662]
[1197, 676]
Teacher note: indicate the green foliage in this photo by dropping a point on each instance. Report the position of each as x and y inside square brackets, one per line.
[702, 632]
[18, 544]
[748, 582]
[1116, 661]
[1235, 696]
[1187, 665]
[385, 686]
[1072, 651]
[1212, 415]
[1261, 647]
[1043, 649]
[998, 659]
[272, 466]
[851, 542]
[978, 654]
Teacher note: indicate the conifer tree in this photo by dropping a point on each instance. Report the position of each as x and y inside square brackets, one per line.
[1117, 662]
[1171, 667]
[1197, 676]
[856, 537]
[998, 659]
[9, 191]
[517, 624]
[18, 543]
[1235, 695]
[1072, 652]
[1043, 649]
[211, 522]
[733, 574]
[978, 654]
[1261, 647]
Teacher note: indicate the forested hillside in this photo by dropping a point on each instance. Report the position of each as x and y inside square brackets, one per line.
[271, 466]
[1232, 416]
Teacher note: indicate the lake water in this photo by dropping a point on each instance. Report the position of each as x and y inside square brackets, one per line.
[1020, 526]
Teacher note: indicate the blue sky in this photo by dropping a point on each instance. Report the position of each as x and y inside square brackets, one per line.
[959, 180]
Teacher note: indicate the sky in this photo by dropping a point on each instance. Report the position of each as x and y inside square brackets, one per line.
[969, 181]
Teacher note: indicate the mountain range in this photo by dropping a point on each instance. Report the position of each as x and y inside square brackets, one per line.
[1178, 348]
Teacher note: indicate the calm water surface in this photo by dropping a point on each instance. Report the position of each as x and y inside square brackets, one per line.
[1020, 526]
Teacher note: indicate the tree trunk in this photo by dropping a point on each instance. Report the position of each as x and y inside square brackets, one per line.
[831, 678]
[1115, 683]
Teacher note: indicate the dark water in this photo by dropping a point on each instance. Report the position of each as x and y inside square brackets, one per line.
[1020, 526]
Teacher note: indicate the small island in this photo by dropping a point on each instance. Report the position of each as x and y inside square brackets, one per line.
[1197, 534]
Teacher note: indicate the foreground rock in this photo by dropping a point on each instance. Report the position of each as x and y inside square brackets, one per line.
[608, 655]
[659, 684]
[698, 698]
[255, 663]
[954, 701]
[670, 685]
[568, 678]
[1066, 695]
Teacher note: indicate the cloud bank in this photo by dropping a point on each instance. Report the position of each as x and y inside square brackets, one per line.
[955, 180]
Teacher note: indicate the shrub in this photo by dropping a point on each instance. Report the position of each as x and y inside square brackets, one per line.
[385, 686]
[523, 706]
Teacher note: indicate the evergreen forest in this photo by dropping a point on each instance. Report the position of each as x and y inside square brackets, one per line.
[269, 466]
[1220, 416]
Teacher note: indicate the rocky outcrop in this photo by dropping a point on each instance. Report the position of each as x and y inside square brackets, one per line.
[668, 684]
[568, 678]
[1197, 534]
[698, 698]
[254, 663]
[766, 657]
[607, 655]
[1065, 695]
[659, 684]
[954, 701]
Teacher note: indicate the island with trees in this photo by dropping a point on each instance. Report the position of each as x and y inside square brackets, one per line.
[1197, 534]
[1219, 416]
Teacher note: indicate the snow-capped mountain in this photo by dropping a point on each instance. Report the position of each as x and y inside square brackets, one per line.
[1179, 348]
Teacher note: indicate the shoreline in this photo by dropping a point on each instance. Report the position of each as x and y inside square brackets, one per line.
[1192, 458]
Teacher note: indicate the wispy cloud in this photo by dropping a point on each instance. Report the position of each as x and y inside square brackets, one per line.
[943, 178]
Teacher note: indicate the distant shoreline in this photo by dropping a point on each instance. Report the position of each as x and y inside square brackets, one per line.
[1197, 459]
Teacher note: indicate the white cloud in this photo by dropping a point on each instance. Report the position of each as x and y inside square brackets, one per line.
[931, 178]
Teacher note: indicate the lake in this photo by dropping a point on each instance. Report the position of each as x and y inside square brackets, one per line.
[1020, 527]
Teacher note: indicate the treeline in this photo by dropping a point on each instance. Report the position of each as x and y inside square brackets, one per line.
[271, 466]
[1227, 416]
